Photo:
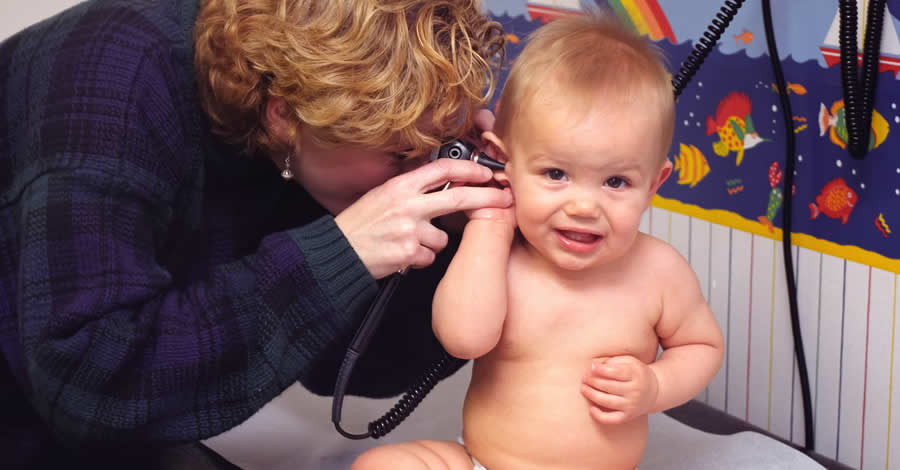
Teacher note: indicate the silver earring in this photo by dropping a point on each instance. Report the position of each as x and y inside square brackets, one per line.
[287, 173]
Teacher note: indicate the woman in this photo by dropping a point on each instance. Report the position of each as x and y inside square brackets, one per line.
[197, 198]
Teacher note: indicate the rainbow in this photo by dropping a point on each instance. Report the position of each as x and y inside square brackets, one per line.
[644, 17]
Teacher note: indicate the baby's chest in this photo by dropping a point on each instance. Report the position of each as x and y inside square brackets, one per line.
[591, 323]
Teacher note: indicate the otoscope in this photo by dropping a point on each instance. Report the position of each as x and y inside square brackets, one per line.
[458, 150]
[462, 150]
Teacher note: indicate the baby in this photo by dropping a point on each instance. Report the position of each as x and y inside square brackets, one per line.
[565, 316]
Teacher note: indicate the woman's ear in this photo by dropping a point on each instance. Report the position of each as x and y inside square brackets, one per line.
[277, 122]
[496, 149]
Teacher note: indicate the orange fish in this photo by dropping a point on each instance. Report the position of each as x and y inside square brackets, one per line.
[746, 36]
[836, 200]
[795, 88]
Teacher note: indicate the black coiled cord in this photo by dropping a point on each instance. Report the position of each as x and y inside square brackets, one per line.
[358, 345]
[710, 38]
[859, 92]
[412, 398]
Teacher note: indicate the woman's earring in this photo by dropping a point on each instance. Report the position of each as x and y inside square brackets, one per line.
[287, 173]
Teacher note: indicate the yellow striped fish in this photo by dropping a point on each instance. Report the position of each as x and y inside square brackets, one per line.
[691, 165]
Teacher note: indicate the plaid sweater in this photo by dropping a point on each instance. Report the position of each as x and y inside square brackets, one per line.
[156, 286]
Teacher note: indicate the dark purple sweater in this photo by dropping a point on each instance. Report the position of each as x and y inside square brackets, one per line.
[157, 287]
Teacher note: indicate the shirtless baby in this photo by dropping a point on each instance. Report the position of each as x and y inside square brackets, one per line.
[560, 300]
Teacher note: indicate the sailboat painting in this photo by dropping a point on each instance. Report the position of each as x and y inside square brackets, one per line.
[890, 44]
[549, 10]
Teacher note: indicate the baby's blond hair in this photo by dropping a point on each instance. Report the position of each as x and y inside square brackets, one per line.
[586, 57]
[354, 71]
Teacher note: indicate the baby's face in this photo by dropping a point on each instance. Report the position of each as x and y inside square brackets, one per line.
[581, 181]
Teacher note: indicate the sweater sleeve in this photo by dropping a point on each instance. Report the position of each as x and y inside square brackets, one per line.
[113, 349]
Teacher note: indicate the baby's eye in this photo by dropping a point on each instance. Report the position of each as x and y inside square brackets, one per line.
[555, 174]
[616, 182]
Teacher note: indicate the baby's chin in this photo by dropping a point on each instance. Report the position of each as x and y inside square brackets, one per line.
[579, 263]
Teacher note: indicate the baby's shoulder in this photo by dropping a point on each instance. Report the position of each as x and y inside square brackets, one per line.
[655, 253]
[662, 264]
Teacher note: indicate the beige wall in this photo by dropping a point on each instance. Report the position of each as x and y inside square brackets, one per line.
[17, 14]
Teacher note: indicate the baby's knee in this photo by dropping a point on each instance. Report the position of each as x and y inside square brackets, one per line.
[431, 455]
[392, 456]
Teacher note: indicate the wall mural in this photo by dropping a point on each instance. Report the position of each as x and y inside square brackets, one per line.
[729, 148]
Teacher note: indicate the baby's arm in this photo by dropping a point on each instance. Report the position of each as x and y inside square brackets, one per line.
[693, 346]
[621, 388]
[470, 302]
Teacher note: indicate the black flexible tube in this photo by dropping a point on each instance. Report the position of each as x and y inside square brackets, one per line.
[710, 38]
[786, 213]
[358, 346]
[859, 92]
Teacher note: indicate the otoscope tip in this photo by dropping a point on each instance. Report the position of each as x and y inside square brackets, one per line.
[489, 162]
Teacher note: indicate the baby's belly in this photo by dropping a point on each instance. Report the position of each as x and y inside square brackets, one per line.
[532, 415]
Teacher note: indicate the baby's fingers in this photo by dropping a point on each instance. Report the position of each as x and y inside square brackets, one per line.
[605, 400]
[621, 372]
[608, 417]
[612, 387]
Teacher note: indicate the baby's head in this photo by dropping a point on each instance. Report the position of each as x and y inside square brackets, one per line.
[584, 122]
[589, 63]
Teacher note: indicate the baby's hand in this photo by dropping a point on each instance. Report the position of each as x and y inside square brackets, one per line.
[621, 388]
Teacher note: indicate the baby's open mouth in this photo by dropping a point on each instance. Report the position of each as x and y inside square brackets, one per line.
[581, 237]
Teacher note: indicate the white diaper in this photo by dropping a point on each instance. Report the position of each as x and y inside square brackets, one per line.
[476, 465]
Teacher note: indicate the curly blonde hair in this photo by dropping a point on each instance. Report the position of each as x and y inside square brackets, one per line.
[354, 71]
[590, 56]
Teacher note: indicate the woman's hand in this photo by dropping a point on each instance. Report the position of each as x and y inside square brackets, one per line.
[501, 215]
[390, 226]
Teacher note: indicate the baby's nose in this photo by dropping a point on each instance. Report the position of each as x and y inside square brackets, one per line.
[582, 207]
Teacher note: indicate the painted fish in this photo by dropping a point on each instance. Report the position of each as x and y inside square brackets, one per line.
[512, 38]
[794, 88]
[746, 36]
[776, 197]
[734, 126]
[834, 121]
[836, 200]
[882, 225]
[691, 165]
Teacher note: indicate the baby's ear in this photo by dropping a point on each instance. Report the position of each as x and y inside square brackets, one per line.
[496, 149]
[664, 172]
